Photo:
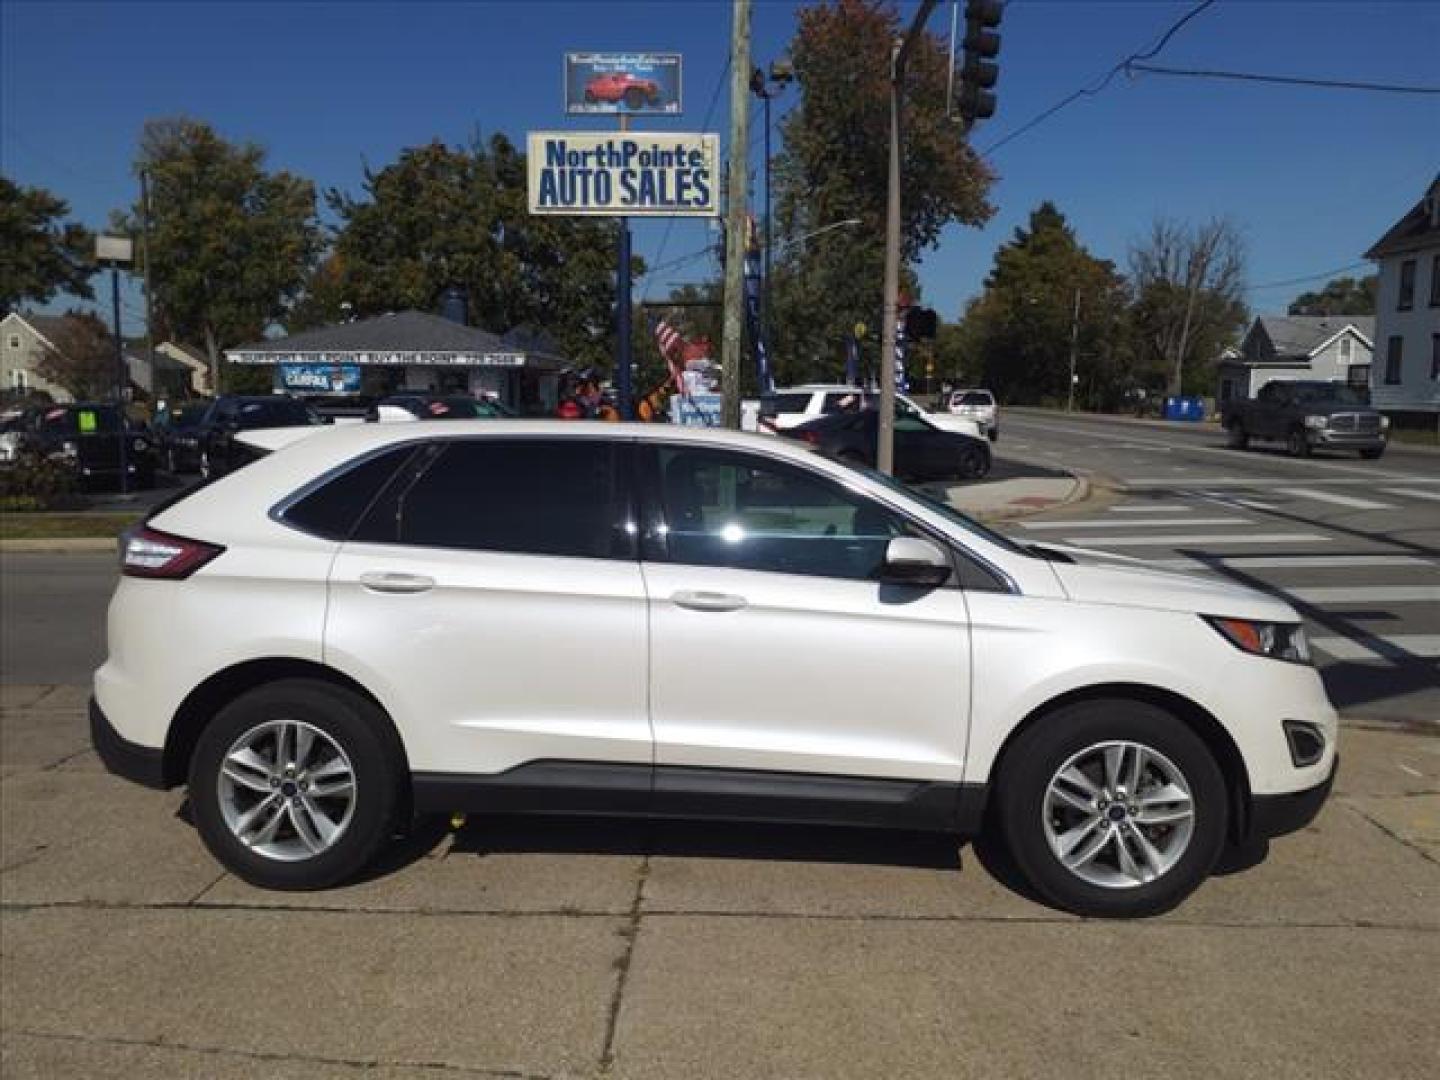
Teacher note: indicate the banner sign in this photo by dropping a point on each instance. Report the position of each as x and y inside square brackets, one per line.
[321, 378]
[329, 361]
[636, 174]
[629, 83]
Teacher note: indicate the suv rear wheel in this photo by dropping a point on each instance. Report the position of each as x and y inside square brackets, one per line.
[1112, 808]
[1237, 437]
[295, 785]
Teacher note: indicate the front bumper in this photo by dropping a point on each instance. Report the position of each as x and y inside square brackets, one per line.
[141, 764]
[1346, 440]
[1277, 815]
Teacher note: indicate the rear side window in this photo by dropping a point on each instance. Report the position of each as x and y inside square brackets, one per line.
[331, 508]
[532, 497]
[841, 402]
[788, 403]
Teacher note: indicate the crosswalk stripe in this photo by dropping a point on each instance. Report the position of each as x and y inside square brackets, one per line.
[1197, 538]
[1387, 647]
[1148, 523]
[1236, 500]
[1175, 509]
[1412, 493]
[1338, 500]
[1315, 562]
[1365, 594]
[1264, 481]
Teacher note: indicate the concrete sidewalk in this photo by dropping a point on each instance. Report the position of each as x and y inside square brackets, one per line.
[549, 948]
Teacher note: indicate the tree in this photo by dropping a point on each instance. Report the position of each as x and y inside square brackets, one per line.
[231, 243]
[80, 356]
[40, 254]
[1016, 336]
[1340, 296]
[441, 216]
[1188, 281]
[835, 168]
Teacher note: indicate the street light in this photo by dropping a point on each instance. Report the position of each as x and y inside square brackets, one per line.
[115, 252]
[819, 232]
[782, 73]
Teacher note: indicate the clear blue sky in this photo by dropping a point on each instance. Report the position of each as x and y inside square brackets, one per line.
[1312, 176]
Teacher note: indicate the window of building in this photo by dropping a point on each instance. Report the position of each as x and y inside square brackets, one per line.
[746, 513]
[14, 341]
[522, 496]
[1435, 281]
[1435, 356]
[1347, 349]
[1394, 350]
[1407, 286]
[17, 379]
[1358, 375]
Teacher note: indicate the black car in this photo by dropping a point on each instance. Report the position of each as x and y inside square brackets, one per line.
[88, 437]
[220, 451]
[436, 407]
[922, 451]
[176, 434]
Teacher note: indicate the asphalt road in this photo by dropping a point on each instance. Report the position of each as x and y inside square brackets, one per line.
[52, 616]
[1354, 545]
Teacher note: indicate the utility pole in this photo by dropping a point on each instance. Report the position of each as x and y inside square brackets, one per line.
[730, 347]
[885, 452]
[1074, 341]
[145, 258]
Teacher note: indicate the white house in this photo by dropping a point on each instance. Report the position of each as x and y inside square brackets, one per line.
[1406, 376]
[1335, 348]
[23, 340]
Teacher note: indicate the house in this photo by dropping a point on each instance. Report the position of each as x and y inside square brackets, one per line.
[194, 363]
[158, 373]
[23, 340]
[1335, 348]
[410, 350]
[1406, 377]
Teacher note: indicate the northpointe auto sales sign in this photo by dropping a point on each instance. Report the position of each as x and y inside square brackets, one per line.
[636, 174]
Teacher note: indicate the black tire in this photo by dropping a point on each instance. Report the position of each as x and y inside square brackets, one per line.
[1039, 753]
[1372, 453]
[634, 98]
[352, 723]
[974, 463]
[1296, 444]
[1237, 437]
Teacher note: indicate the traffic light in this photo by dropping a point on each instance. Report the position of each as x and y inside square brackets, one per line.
[920, 324]
[977, 73]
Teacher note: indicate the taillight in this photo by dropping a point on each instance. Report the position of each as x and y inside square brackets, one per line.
[150, 553]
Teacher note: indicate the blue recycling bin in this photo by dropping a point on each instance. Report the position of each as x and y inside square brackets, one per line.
[1185, 409]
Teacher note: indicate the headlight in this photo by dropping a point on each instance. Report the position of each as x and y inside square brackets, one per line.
[1279, 641]
[1384, 423]
[1316, 421]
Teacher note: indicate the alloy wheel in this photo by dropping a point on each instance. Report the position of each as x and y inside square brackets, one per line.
[1118, 814]
[286, 790]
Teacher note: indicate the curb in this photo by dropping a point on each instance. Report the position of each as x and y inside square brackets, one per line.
[57, 545]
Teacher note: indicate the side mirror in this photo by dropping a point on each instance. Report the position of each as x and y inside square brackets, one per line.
[910, 560]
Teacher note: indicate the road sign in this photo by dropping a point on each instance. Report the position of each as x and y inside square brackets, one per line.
[637, 174]
[622, 83]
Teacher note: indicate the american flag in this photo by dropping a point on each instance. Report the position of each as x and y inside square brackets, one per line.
[672, 349]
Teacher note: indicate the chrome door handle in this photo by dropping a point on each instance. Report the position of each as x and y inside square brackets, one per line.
[388, 582]
[708, 601]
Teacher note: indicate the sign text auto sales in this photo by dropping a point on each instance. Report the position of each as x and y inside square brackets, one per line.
[655, 173]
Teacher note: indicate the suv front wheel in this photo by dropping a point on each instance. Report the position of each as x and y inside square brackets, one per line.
[295, 785]
[1112, 808]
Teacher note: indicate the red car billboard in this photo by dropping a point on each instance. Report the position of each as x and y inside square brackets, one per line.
[622, 83]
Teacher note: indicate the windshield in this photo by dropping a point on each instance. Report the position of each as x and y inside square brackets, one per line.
[1331, 394]
[945, 510]
[974, 397]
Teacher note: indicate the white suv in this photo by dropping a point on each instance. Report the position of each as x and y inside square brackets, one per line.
[788, 408]
[375, 621]
[979, 406]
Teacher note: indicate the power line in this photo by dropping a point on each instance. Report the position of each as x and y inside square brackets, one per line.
[1096, 86]
[1309, 277]
[1287, 80]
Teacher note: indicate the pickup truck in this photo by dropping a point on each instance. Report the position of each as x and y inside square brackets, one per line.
[1306, 416]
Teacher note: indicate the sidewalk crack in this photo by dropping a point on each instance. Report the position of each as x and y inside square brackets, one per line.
[631, 932]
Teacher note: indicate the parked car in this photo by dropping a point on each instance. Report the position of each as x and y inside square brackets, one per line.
[691, 623]
[615, 86]
[977, 405]
[221, 451]
[1306, 415]
[405, 407]
[787, 408]
[922, 451]
[176, 433]
[12, 435]
[87, 437]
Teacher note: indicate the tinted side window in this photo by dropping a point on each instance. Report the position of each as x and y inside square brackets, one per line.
[333, 507]
[789, 403]
[532, 497]
[734, 510]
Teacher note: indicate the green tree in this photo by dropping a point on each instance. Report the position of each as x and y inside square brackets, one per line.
[1340, 296]
[1189, 299]
[231, 244]
[1016, 337]
[835, 167]
[80, 356]
[40, 253]
[441, 216]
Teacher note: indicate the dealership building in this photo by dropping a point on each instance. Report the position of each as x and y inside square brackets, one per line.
[415, 351]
